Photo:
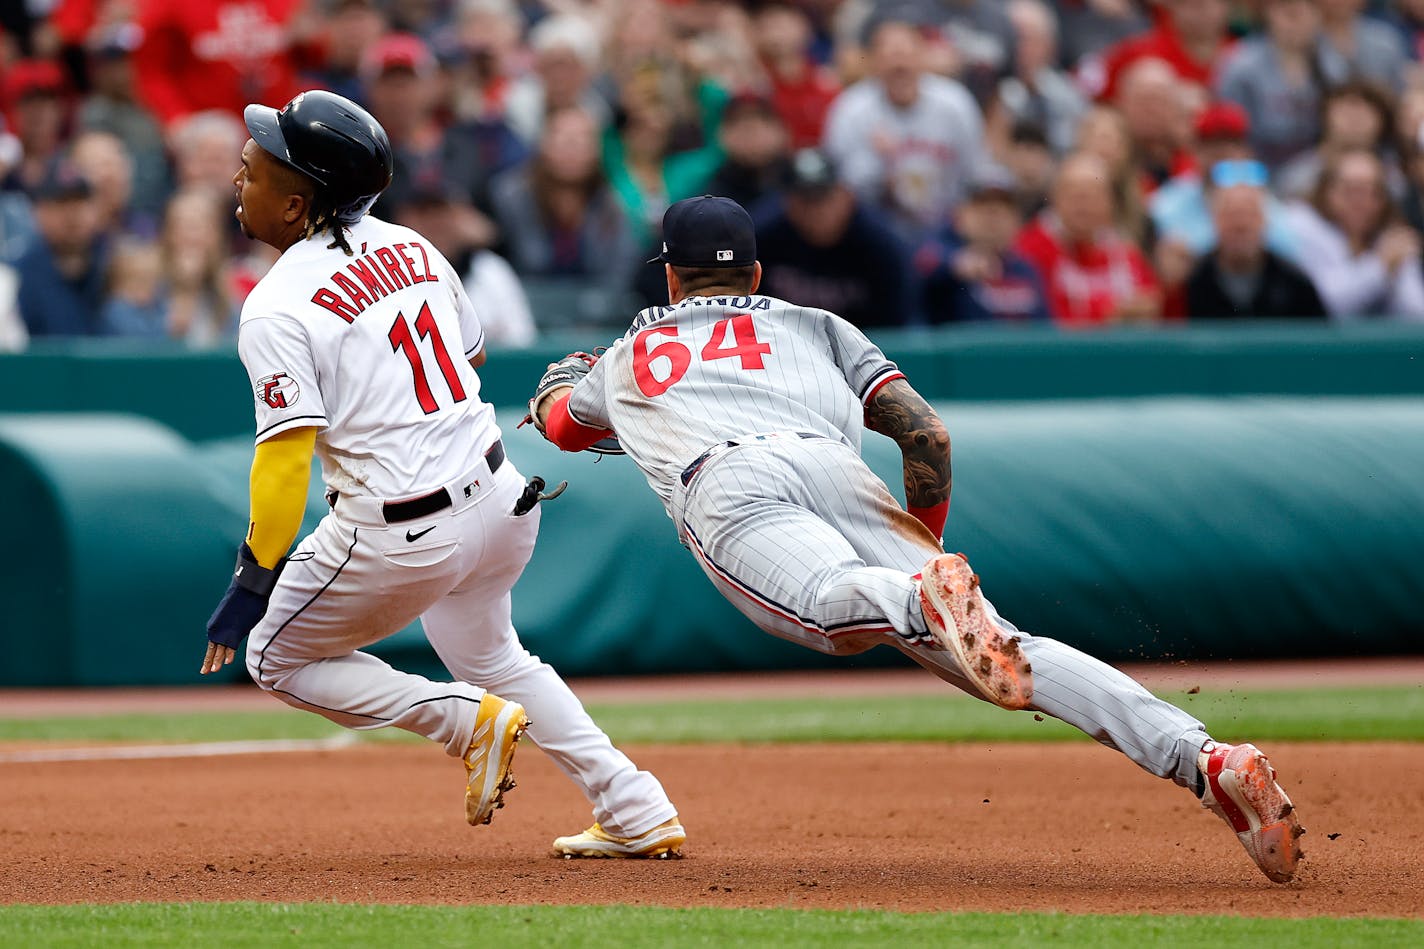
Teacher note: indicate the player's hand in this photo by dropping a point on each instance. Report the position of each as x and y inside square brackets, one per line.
[217, 657]
[558, 377]
[241, 608]
[540, 413]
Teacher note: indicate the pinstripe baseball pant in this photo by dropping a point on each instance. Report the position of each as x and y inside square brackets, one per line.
[803, 538]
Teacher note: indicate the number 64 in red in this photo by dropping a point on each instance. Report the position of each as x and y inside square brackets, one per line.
[733, 336]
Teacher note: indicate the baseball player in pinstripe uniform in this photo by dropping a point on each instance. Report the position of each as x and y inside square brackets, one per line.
[745, 414]
[362, 347]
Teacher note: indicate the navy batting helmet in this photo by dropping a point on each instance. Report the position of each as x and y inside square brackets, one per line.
[331, 140]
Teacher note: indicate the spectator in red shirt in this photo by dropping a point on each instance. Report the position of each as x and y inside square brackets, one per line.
[1093, 275]
[1190, 35]
[801, 91]
[220, 54]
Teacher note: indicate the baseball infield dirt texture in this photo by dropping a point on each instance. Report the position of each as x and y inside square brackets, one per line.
[1008, 826]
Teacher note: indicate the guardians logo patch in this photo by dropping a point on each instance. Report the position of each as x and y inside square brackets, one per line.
[278, 390]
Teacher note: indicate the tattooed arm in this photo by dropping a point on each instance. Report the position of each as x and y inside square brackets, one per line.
[898, 411]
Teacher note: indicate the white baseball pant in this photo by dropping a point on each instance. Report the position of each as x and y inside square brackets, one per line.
[356, 580]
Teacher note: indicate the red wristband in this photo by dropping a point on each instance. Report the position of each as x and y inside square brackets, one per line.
[564, 431]
[932, 517]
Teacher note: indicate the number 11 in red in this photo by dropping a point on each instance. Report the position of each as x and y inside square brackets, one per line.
[403, 341]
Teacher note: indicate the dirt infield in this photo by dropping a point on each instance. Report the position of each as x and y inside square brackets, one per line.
[908, 827]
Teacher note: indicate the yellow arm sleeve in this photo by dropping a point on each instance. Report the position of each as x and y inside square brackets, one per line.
[281, 469]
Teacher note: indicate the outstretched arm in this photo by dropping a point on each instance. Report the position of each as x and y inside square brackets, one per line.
[898, 411]
[281, 469]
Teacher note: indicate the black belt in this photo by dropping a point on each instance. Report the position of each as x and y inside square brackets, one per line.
[438, 500]
[691, 470]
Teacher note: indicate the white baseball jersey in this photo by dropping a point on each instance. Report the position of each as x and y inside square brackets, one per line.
[374, 350]
[710, 369]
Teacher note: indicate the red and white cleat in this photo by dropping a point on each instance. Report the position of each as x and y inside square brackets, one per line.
[959, 621]
[1241, 789]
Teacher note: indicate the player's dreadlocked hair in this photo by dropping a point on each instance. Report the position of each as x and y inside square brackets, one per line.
[321, 209]
[321, 216]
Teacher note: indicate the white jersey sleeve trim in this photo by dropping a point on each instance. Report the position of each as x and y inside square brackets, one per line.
[889, 375]
[287, 424]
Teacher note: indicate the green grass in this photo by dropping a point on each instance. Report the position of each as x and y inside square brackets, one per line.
[1382, 713]
[325, 924]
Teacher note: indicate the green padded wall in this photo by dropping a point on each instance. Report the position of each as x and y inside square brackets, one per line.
[204, 394]
[1149, 528]
[120, 550]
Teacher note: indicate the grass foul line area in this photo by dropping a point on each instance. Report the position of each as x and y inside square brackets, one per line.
[258, 924]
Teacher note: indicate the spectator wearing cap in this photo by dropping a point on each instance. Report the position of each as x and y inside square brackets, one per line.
[112, 106]
[971, 274]
[1357, 46]
[62, 273]
[1181, 209]
[1093, 275]
[1278, 78]
[463, 236]
[1364, 261]
[403, 92]
[566, 59]
[1241, 278]
[757, 150]
[1191, 36]
[561, 222]
[801, 89]
[1037, 92]
[823, 247]
[34, 90]
[1357, 114]
[220, 54]
[904, 140]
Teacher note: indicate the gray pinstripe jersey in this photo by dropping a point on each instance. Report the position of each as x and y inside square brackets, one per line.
[709, 369]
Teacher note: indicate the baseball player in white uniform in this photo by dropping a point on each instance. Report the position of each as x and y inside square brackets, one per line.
[362, 346]
[745, 414]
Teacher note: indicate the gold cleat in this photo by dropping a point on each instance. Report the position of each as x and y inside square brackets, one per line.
[498, 727]
[662, 842]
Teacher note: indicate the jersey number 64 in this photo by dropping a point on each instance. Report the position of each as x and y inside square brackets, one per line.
[733, 336]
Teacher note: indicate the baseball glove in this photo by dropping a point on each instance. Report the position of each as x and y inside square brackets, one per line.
[567, 372]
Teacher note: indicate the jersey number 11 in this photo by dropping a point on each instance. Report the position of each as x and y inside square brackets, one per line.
[402, 340]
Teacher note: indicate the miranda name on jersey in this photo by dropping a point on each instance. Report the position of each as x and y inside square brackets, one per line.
[372, 277]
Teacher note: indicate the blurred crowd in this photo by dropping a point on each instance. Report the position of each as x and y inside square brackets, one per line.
[908, 162]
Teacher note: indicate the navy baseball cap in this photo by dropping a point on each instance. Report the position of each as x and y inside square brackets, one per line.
[708, 232]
